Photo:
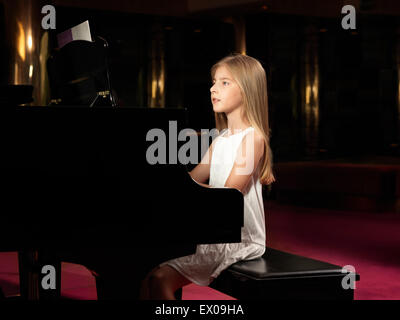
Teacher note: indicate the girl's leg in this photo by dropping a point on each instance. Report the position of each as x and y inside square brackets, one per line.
[163, 283]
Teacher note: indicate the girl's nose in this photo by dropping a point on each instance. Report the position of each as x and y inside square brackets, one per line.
[212, 89]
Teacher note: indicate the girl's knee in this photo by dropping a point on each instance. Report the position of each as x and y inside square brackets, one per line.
[164, 276]
[167, 276]
[157, 277]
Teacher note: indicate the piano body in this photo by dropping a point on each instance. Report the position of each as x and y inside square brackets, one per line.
[77, 187]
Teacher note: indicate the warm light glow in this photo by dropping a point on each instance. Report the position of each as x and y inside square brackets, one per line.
[312, 89]
[311, 99]
[153, 88]
[21, 41]
[16, 78]
[158, 85]
[30, 43]
[30, 71]
[315, 88]
[161, 81]
[308, 94]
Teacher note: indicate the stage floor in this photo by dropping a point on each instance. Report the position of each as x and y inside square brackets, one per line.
[367, 241]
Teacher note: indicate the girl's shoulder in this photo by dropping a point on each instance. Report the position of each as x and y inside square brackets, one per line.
[251, 133]
[255, 134]
[258, 136]
[223, 133]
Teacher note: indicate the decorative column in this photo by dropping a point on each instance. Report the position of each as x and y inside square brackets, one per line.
[27, 47]
[239, 26]
[156, 70]
[310, 92]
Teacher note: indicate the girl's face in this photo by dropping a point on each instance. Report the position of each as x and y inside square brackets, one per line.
[225, 92]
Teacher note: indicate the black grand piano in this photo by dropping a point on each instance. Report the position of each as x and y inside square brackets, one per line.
[77, 186]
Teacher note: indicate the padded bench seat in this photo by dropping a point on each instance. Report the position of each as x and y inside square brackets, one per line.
[281, 275]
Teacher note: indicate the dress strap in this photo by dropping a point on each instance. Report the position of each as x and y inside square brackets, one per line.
[226, 130]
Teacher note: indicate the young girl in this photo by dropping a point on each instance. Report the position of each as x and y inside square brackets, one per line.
[240, 157]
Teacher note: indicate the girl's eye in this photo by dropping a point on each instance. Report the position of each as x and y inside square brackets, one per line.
[225, 83]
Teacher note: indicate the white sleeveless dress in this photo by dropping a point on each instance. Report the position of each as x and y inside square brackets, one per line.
[211, 259]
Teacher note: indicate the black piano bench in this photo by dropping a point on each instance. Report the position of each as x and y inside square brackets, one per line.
[279, 275]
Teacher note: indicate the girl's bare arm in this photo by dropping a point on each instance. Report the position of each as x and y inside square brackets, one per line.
[248, 157]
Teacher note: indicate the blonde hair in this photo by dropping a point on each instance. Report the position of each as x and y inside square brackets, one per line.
[252, 81]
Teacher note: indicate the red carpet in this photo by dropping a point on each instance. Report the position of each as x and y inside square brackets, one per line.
[369, 242]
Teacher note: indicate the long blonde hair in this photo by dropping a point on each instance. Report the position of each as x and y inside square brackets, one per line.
[252, 81]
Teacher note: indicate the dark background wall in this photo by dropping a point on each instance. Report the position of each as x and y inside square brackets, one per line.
[357, 99]
[357, 82]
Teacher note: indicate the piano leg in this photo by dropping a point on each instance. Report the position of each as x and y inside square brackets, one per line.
[117, 273]
[31, 263]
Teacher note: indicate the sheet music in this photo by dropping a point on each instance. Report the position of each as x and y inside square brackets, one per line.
[79, 32]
